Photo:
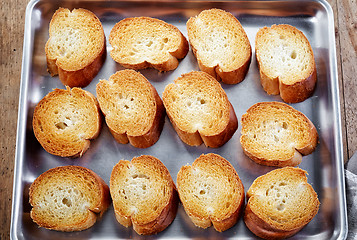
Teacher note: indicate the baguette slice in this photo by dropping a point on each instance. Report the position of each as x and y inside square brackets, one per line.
[65, 121]
[70, 198]
[275, 134]
[199, 110]
[280, 203]
[220, 45]
[76, 47]
[133, 109]
[286, 62]
[144, 194]
[143, 42]
[211, 192]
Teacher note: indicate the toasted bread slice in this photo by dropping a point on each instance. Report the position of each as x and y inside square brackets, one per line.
[275, 134]
[286, 62]
[65, 121]
[199, 110]
[143, 42]
[133, 109]
[69, 198]
[144, 194]
[211, 192]
[280, 203]
[76, 47]
[220, 45]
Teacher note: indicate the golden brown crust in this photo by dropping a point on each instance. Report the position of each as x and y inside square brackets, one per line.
[59, 195]
[204, 199]
[143, 42]
[220, 45]
[132, 107]
[65, 121]
[275, 134]
[286, 62]
[280, 203]
[75, 60]
[144, 195]
[199, 110]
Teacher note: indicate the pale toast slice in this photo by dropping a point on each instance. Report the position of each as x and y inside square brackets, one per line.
[69, 198]
[276, 134]
[286, 62]
[76, 47]
[280, 203]
[211, 192]
[220, 45]
[144, 194]
[133, 109]
[66, 120]
[143, 42]
[199, 110]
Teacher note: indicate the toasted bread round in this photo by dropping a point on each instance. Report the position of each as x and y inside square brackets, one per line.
[199, 110]
[220, 45]
[211, 192]
[280, 203]
[143, 42]
[65, 121]
[69, 198]
[144, 194]
[133, 109]
[76, 47]
[286, 62]
[275, 134]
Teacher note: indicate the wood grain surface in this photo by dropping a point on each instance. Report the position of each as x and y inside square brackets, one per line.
[12, 29]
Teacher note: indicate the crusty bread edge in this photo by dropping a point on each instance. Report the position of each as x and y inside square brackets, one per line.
[94, 213]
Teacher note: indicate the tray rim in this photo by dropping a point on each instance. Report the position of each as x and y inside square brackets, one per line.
[23, 110]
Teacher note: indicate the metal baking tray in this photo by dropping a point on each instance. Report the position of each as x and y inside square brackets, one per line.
[324, 166]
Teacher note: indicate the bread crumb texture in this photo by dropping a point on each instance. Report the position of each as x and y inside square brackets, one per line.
[274, 133]
[283, 199]
[219, 40]
[127, 100]
[76, 39]
[143, 42]
[68, 198]
[143, 194]
[65, 121]
[211, 192]
[197, 102]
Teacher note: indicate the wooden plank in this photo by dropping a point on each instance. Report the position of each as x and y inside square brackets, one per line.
[12, 16]
[347, 29]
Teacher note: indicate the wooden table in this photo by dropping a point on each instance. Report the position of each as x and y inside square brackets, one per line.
[12, 29]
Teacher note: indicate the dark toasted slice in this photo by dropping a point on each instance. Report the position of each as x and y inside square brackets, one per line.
[275, 134]
[76, 47]
[211, 192]
[280, 203]
[144, 195]
[69, 198]
[286, 62]
[220, 45]
[133, 109]
[143, 42]
[199, 110]
[66, 120]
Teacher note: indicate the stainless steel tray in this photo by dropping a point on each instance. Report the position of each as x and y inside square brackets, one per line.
[325, 165]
